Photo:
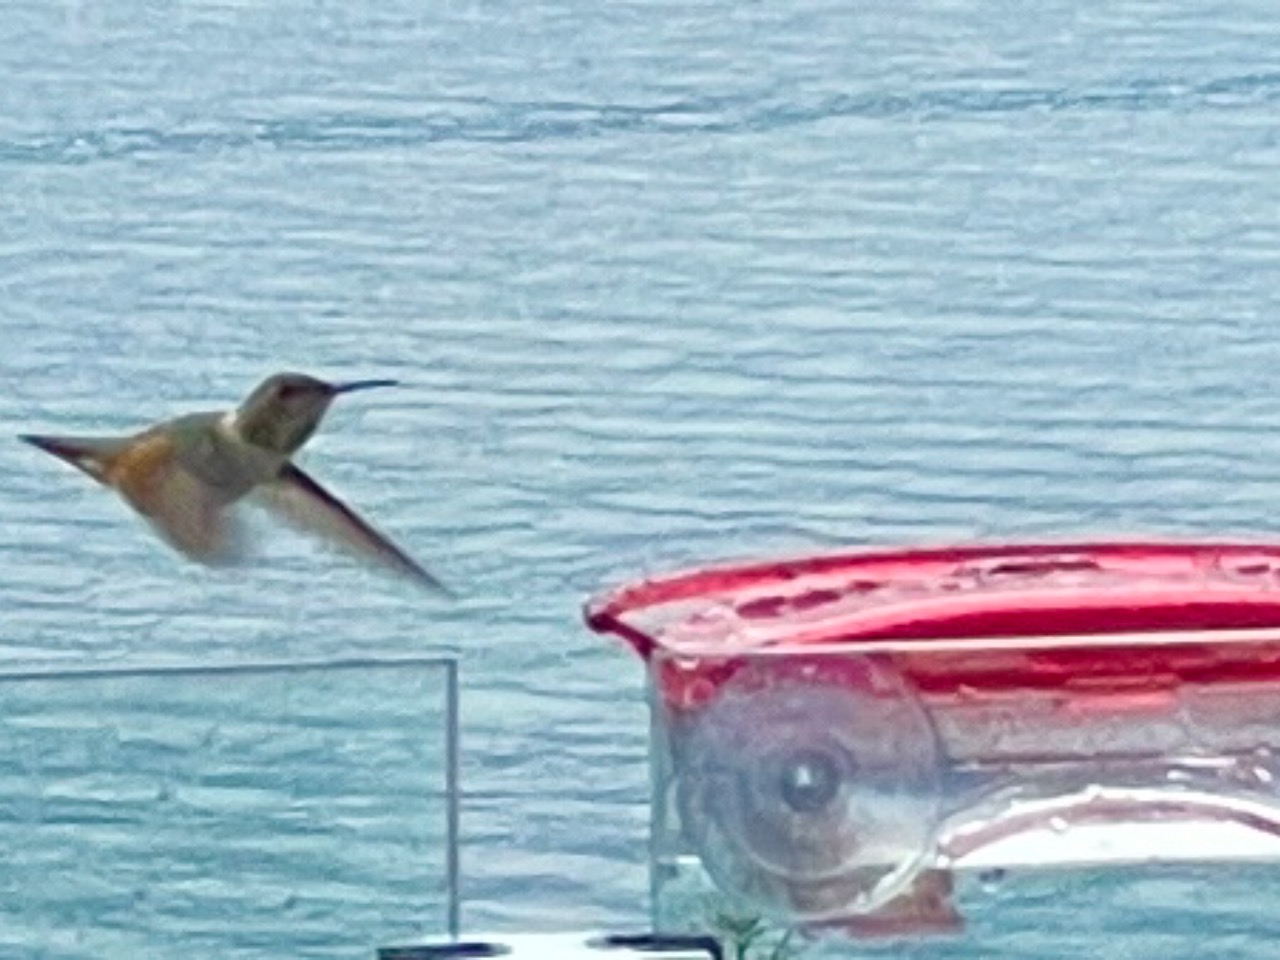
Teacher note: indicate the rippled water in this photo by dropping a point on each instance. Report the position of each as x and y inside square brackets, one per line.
[275, 812]
[664, 283]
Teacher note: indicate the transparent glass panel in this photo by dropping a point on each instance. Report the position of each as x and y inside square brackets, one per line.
[277, 810]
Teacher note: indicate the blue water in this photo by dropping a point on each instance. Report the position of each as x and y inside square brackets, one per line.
[281, 812]
[664, 283]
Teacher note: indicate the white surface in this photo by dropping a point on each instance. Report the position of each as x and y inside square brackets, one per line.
[566, 946]
[1192, 826]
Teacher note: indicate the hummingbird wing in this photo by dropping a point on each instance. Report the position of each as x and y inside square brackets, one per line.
[186, 511]
[297, 498]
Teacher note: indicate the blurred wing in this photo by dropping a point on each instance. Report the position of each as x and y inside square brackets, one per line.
[301, 501]
[186, 512]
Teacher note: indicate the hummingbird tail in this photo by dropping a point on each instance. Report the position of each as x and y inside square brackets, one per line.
[90, 454]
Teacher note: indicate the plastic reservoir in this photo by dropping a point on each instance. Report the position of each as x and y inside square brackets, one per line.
[836, 738]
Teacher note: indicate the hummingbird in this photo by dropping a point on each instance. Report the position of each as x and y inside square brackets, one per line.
[186, 475]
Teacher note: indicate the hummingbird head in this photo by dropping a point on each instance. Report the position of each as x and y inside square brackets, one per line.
[284, 410]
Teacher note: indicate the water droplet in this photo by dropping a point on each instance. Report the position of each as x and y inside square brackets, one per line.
[990, 880]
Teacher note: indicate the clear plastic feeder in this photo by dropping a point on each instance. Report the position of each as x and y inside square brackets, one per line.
[836, 738]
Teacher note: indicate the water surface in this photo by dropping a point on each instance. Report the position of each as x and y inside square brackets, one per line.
[664, 283]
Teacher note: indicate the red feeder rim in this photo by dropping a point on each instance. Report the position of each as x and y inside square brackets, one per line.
[940, 607]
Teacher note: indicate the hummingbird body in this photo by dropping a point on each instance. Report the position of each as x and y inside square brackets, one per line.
[184, 475]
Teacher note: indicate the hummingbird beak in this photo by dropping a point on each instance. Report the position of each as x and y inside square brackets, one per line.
[355, 385]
